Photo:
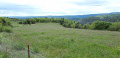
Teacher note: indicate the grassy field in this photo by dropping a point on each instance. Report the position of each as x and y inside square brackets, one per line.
[51, 40]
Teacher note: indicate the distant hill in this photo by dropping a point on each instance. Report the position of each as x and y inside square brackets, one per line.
[70, 17]
[111, 17]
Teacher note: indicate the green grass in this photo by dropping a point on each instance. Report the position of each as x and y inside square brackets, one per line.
[51, 40]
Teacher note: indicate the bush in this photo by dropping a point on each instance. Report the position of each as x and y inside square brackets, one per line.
[68, 23]
[18, 46]
[43, 20]
[73, 25]
[80, 26]
[86, 26]
[32, 21]
[5, 25]
[115, 26]
[5, 29]
[100, 25]
[20, 22]
[5, 21]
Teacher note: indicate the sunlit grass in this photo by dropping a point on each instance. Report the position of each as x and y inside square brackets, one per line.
[52, 40]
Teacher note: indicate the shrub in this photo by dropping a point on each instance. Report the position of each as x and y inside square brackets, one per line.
[32, 21]
[20, 22]
[86, 26]
[68, 23]
[18, 46]
[80, 26]
[5, 25]
[100, 25]
[5, 21]
[115, 26]
[5, 29]
[65, 25]
[72, 25]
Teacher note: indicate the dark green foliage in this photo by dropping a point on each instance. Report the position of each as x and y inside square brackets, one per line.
[73, 25]
[100, 25]
[107, 18]
[115, 26]
[20, 22]
[62, 21]
[88, 20]
[42, 20]
[32, 21]
[80, 26]
[5, 21]
[86, 26]
[28, 22]
[5, 29]
[68, 23]
[5, 25]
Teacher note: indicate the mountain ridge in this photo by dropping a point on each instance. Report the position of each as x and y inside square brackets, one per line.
[70, 17]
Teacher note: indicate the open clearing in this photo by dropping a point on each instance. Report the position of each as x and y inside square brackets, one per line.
[51, 40]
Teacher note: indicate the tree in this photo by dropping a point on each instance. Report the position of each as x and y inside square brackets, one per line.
[100, 25]
[80, 26]
[115, 26]
[86, 26]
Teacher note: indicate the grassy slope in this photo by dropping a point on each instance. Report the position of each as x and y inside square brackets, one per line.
[54, 41]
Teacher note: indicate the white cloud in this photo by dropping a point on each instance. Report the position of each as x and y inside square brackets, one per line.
[57, 7]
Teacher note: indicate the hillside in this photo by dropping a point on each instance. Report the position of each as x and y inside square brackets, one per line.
[51, 40]
[70, 17]
[114, 17]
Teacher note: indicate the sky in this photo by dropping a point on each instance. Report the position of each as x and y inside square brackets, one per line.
[57, 7]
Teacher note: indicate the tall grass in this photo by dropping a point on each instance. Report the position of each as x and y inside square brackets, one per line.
[54, 41]
[51, 40]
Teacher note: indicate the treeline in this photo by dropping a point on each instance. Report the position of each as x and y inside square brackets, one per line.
[5, 25]
[37, 20]
[96, 25]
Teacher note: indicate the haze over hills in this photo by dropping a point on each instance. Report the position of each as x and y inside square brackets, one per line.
[70, 17]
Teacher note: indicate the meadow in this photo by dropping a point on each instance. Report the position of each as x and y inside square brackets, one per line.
[52, 40]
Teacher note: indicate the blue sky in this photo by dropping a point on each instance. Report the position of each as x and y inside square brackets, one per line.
[57, 7]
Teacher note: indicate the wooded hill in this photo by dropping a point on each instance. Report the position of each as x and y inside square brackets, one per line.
[106, 17]
[101, 22]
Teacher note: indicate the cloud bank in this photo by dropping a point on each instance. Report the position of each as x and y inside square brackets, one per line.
[57, 7]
